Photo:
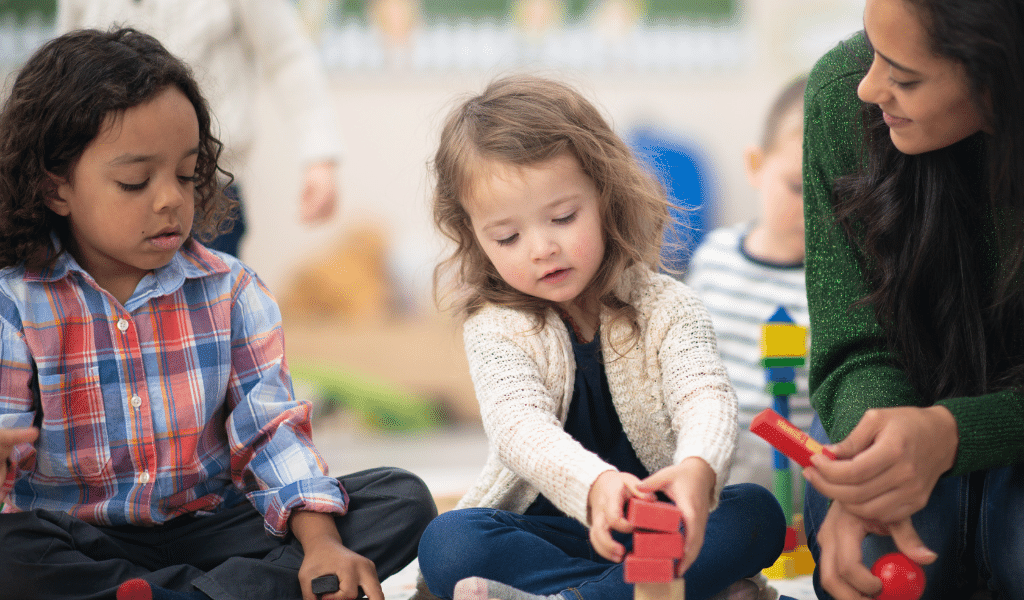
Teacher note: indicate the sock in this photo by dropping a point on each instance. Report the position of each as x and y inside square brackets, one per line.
[478, 588]
[140, 589]
[744, 589]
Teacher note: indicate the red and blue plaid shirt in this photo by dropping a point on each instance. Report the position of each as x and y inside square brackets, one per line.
[178, 402]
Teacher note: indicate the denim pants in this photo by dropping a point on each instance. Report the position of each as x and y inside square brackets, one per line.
[552, 554]
[975, 522]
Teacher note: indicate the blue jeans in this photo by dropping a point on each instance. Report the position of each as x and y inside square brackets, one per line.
[551, 555]
[975, 523]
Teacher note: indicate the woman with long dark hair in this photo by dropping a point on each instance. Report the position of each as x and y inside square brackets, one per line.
[914, 192]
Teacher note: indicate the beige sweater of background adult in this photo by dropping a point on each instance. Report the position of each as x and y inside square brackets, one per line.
[235, 47]
[670, 390]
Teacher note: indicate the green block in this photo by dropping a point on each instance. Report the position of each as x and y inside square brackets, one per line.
[782, 361]
[781, 388]
[782, 487]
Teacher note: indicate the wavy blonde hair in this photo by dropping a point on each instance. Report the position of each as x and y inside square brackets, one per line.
[523, 120]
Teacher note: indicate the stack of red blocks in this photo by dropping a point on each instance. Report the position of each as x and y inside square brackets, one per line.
[657, 542]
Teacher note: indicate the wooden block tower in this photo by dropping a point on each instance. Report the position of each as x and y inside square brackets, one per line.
[783, 348]
[657, 549]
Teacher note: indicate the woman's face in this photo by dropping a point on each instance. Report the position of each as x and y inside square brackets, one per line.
[926, 99]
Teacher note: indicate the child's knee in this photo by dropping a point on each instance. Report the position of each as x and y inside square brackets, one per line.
[417, 500]
[452, 546]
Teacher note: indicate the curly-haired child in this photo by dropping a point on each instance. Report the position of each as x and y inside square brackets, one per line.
[152, 445]
[598, 378]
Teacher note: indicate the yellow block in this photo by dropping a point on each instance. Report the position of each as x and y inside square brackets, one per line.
[783, 340]
[803, 561]
[784, 568]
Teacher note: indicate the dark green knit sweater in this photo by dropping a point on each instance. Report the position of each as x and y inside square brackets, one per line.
[851, 368]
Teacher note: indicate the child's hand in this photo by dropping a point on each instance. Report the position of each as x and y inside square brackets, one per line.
[689, 485]
[9, 438]
[605, 503]
[325, 554]
[353, 571]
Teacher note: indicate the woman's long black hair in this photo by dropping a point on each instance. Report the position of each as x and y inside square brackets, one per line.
[943, 232]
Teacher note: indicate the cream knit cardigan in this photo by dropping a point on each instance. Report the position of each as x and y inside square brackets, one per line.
[670, 390]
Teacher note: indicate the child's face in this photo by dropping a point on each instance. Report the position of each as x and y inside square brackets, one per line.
[778, 177]
[539, 225]
[130, 200]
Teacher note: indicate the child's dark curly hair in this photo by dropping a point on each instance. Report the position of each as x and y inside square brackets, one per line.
[60, 101]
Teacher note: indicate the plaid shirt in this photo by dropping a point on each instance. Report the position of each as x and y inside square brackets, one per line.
[178, 402]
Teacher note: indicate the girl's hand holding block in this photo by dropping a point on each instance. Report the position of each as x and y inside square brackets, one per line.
[657, 548]
[653, 515]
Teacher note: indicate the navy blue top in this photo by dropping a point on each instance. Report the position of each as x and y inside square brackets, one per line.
[592, 420]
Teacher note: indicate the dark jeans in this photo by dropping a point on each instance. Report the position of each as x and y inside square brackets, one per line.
[550, 555]
[49, 555]
[975, 523]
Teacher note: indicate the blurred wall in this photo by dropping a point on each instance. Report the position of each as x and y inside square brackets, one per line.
[390, 119]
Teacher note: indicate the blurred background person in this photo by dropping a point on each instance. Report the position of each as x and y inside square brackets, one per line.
[745, 272]
[234, 47]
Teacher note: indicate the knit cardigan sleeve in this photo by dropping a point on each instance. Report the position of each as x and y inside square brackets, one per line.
[523, 379]
[675, 375]
[851, 368]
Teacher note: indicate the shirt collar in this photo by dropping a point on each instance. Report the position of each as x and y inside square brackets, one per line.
[192, 261]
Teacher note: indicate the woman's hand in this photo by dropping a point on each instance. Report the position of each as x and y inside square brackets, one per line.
[890, 462]
[326, 555]
[840, 564]
[609, 494]
[690, 485]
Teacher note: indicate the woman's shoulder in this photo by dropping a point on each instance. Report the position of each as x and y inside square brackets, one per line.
[833, 115]
[837, 69]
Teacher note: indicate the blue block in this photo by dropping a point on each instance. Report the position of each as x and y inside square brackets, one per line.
[780, 374]
[780, 316]
[780, 404]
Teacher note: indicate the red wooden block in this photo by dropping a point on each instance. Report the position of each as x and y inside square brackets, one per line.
[653, 516]
[785, 437]
[791, 540]
[648, 570]
[658, 544]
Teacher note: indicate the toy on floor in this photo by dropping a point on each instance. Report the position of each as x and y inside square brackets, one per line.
[783, 346]
[902, 578]
[657, 549]
[325, 584]
[786, 438]
[380, 404]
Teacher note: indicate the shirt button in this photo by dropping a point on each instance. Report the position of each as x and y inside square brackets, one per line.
[136, 401]
[144, 478]
[122, 324]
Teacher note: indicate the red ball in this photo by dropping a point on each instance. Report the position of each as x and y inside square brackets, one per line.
[902, 578]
